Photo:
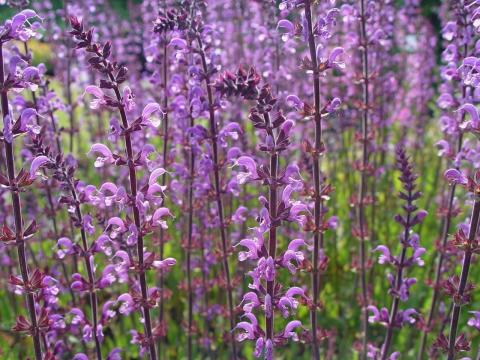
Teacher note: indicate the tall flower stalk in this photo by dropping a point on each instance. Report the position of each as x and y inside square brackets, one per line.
[459, 41]
[458, 287]
[190, 247]
[45, 158]
[470, 246]
[30, 282]
[399, 283]
[317, 66]
[216, 179]
[164, 163]
[316, 155]
[362, 186]
[48, 188]
[68, 81]
[274, 131]
[161, 42]
[115, 75]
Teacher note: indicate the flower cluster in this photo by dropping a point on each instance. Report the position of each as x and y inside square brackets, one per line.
[262, 246]
[410, 255]
[155, 205]
[144, 203]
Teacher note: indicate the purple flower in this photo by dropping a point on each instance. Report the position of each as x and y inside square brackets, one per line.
[127, 304]
[158, 215]
[443, 148]
[249, 164]
[238, 217]
[155, 175]
[115, 355]
[289, 332]
[15, 28]
[248, 328]
[380, 316]
[288, 302]
[37, 163]
[26, 123]
[253, 246]
[65, 247]
[99, 96]
[454, 176]
[232, 130]
[475, 320]
[333, 62]
[294, 101]
[106, 156]
[292, 254]
[128, 101]
[164, 264]
[80, 356]
[149, 112]
[474, 122]
[116, 226]
[250, 301]
[178, 43]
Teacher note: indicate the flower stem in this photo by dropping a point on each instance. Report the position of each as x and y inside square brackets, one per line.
[163, 181]
[467, 258]
[398, 282]
[71, 110]
[444, 237]
[223, 234]
[138, 224]
[318, 212]
[189, 248]
[88, 265]
[362, 188]
[272, 243]
[17, 212]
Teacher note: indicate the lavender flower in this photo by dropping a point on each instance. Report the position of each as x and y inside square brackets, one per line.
[399, 283]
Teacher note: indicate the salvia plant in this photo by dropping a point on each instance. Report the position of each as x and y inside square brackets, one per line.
[191, 179]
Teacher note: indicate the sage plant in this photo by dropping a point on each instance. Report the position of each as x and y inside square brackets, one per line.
[267, 294]
[65, 174]
[115, 75]
[143, 151]
[317, 66]
[362, 187]
[458, 287]
[206, 72]
[30, 282]
[410, 255]
[457, 32]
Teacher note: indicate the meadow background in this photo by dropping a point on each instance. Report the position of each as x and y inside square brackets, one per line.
[410, 67]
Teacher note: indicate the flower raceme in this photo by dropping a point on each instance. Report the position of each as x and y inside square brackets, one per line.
[274, 211]
[399, 283]
[146, 219]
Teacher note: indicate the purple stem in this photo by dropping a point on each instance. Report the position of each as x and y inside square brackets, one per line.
[93, 299]
[272, 242]
[445, 232]
[467, 258]
[17, 212]
[398, 282]
[362, 188]
[86, 256]
[189, 247]
[223, 234]
[71, 110]
[318, 212]
[163, 180]
[136, 216]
